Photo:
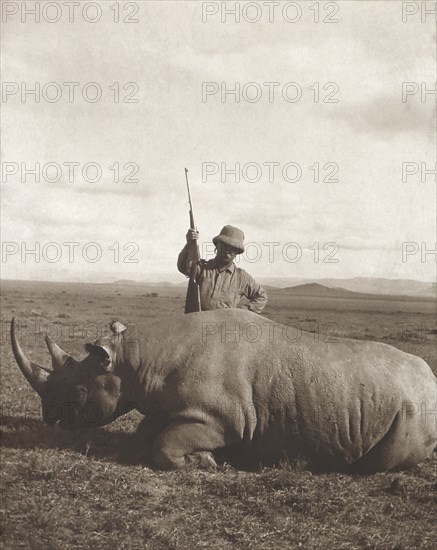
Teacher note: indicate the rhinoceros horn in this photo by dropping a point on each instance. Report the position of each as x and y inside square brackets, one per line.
[36, 375]
[59, 357]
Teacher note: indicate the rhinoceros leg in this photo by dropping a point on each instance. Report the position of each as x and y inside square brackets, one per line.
[150, 427]
[404, 445]
[183, 443]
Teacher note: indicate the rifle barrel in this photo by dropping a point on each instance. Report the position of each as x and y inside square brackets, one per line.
[189, 201]
[188, 189]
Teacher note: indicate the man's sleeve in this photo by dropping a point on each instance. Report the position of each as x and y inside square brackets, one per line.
[256, 295]
[184, 266]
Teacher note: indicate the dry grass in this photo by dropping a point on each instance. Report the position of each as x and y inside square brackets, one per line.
[98, 490]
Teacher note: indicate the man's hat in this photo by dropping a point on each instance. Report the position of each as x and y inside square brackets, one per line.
[232, 236]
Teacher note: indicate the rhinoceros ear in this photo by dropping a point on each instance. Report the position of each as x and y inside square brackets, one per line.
[117, 327]
[102, 353]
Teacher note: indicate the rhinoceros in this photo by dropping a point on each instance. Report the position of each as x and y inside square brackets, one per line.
[230, 381]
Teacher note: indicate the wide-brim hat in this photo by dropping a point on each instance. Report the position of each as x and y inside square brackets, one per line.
[231, 236]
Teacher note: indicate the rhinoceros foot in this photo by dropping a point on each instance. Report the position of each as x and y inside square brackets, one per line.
[203, 459]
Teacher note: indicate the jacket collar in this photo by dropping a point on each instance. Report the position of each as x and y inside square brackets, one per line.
[229, 268]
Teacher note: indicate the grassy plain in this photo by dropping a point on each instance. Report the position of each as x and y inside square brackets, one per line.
[93, 490]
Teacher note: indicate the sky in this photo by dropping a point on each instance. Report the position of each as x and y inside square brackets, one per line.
[352, 224]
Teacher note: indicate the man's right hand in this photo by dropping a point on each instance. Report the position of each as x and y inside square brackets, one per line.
[192, 235]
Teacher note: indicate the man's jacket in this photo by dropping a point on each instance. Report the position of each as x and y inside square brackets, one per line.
[224, 288]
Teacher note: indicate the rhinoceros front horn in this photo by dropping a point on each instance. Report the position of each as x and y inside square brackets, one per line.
[36, 375]
[59, 357]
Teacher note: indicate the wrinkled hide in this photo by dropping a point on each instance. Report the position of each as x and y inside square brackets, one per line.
[232, 380]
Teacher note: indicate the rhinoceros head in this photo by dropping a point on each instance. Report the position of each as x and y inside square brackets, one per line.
[78, 394]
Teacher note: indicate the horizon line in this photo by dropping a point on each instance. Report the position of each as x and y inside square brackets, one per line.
[162, 280]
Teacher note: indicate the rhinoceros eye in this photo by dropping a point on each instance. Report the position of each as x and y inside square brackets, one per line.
[80, 392]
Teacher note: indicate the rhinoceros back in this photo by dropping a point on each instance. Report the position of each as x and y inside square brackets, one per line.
[265, 385]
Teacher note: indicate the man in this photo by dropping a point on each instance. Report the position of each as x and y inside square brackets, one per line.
[222, 284]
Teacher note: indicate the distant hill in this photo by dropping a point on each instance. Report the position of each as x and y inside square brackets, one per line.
[407, 290]
[143, 283]
[316, 289]
[322, 291]
[359, 286]
[124, 282]
[362, 285]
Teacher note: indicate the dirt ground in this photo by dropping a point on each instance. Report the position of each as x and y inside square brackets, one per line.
[94, 490]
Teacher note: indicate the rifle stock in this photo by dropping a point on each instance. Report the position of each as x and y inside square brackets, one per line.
[192, 299]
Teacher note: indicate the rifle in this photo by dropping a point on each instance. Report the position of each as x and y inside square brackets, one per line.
[192, 300]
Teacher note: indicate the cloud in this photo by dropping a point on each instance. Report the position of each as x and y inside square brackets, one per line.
[385, 115]
[369, 53]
